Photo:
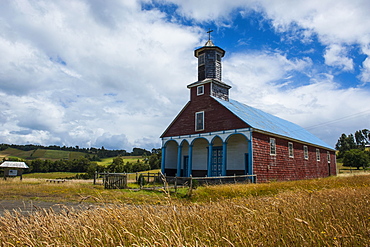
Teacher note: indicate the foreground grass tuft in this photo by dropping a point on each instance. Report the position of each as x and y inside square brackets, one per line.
[324, 212]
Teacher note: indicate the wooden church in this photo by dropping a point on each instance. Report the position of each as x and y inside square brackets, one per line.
[214, 135]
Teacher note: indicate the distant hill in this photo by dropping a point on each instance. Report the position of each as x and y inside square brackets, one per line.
[40, 154]
[85, 160]
[31, 152]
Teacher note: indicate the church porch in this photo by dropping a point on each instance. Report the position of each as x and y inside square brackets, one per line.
[223, 153]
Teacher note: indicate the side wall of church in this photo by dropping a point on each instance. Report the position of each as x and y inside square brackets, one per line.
[280, 167]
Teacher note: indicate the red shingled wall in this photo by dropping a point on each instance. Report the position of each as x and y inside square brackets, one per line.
[217, 117]
[281, 167]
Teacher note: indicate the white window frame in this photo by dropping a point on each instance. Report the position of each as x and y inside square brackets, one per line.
[272, 146]
[290, 149]
[196, 120]
[328, 156]
[305, 152]
[200, 88]
[317, 154]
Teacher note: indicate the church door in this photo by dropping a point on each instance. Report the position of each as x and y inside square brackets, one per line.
[216, 165]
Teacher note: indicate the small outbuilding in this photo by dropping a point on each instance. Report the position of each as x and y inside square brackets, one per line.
[13, 168]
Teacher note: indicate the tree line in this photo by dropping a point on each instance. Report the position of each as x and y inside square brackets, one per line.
[87, 166]
[94, 152]
[352, 149]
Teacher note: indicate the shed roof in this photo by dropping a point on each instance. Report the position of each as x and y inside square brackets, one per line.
[266, 122]
[13, 164]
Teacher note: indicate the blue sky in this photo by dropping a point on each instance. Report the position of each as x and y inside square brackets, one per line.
[114, 73]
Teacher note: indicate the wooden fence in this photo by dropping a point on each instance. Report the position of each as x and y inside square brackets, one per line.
[212, 180]
[120, 180]
[114, 181]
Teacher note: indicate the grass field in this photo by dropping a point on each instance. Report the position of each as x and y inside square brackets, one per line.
[345, 169]
[108, 161]
[321, 212]
[13, 152]
[40, 154]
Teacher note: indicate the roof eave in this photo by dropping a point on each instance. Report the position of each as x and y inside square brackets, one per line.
[291, 139]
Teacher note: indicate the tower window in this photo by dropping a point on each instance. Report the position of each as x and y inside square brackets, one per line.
[199, 121]
[317, 154]
[200, 90]
[201, 59]
[218, 57]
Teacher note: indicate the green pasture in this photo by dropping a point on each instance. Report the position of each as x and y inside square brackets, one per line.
[346, 169]
[15, 153]
[108, 161]
[40, 154]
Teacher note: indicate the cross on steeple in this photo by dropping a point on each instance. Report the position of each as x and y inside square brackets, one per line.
[209, 34]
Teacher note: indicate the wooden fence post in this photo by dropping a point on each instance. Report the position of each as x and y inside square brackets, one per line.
[191, 186]
[176, 184]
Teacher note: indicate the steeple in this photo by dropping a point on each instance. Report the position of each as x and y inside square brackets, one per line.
[209, 61]
[209, 73]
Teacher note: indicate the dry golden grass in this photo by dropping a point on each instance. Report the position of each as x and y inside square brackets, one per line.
[325, 212]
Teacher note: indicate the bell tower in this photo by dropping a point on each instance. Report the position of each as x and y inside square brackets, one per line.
[209, 72]
[209, 60]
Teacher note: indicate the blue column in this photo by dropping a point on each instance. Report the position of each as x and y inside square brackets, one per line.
[179, 155]
[190, 165]
[163, 165]
[224, 158]
[209, 165]
[250, 157]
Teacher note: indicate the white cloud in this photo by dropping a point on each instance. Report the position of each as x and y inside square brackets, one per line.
[260, 73]
[94, 73]
[336, 55]
[69, 70]
[365, 71]
[257, 78]
[210, 10]
[336, 23]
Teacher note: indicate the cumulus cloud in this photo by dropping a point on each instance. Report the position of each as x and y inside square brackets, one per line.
[69, 70]
[336, 55]
[114, 74]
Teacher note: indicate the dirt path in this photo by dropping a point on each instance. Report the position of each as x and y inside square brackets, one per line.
[28, 207]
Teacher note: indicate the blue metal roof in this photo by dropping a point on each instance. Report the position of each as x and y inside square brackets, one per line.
[261, 120]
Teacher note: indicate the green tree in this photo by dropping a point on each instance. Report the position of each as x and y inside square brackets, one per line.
[356, 158]
[155, 159]
[345, 143]
[117, 165]
[79, 165]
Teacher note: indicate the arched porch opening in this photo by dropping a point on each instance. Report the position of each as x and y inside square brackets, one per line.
[184, 160]
[238, 155]
[200, 157]
[170, 154]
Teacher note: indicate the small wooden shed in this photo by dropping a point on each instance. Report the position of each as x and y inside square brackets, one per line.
[13, 168]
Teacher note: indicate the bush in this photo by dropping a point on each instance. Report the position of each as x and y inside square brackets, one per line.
[356, 158]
